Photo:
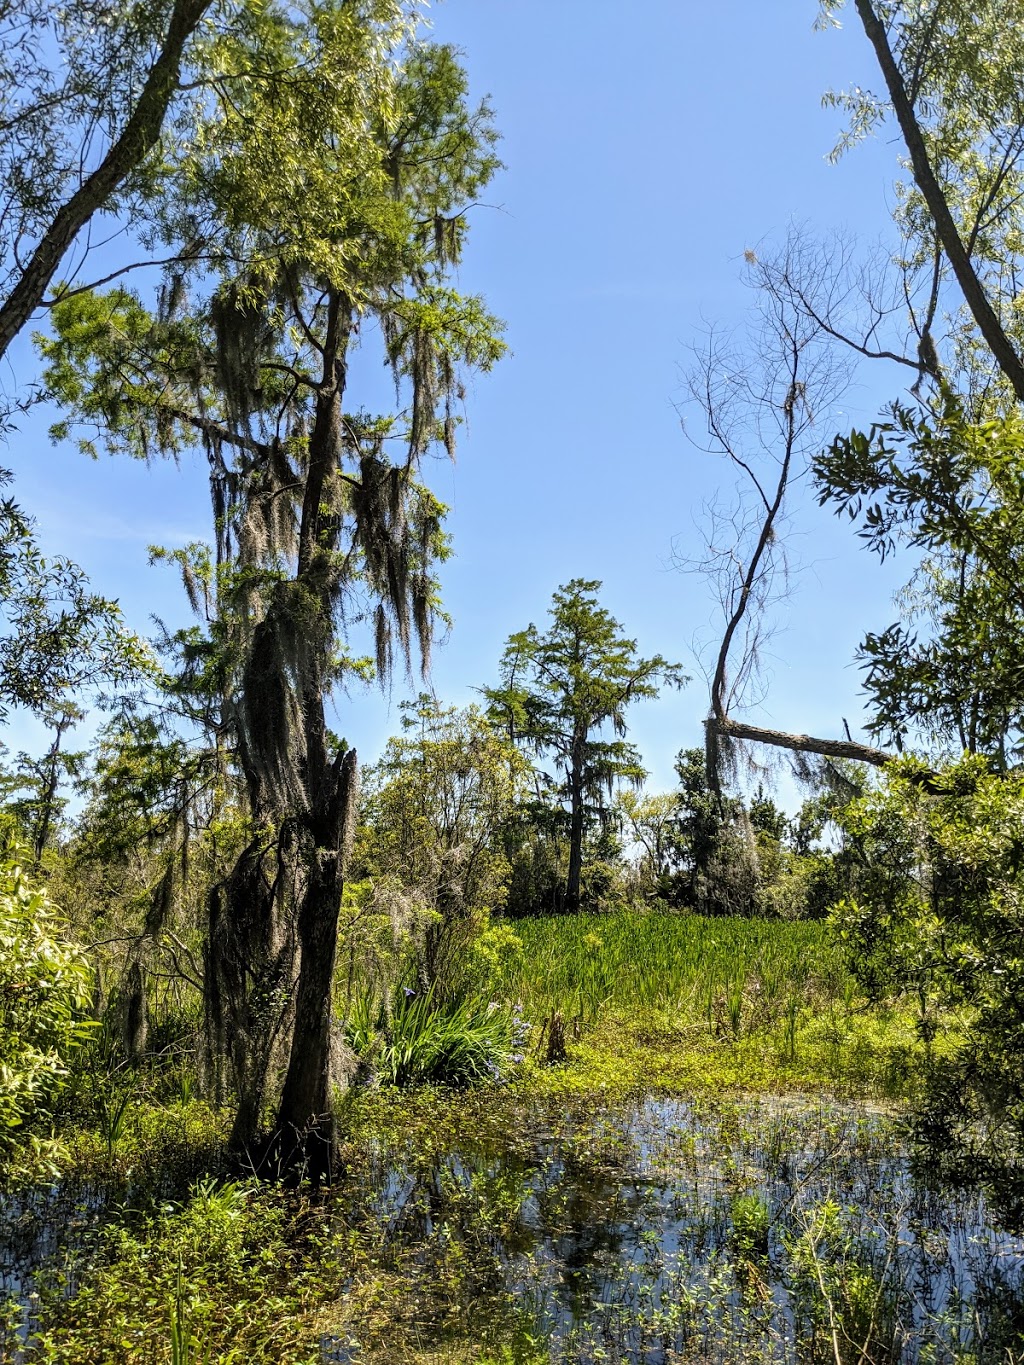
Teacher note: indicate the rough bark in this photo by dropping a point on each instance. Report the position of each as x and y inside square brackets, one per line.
[724, 726]
[137, 138]
[305, 1118]
[959, 258]
[135, 1022]
[249, 971]
[274, 922]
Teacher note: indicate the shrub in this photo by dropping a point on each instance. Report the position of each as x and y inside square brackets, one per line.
[416, 1039]
[938, 919]
[45, 989]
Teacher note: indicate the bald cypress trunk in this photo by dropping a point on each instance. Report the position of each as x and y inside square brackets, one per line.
[305, 1119]
[274, 922]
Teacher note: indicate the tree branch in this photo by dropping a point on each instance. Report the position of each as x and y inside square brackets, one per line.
[137, 138]
[727, 728]
[974, 294]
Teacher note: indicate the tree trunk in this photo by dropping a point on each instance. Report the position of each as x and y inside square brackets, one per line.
[304, 1120]
[249, 971]
[572, 890]
[305, 1117]
[48, 792]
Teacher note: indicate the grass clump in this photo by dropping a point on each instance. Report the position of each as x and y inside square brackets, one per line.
[417, 1038]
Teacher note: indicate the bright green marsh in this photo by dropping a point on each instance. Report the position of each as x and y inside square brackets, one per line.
[708, 1177]
[663, 961]
[678, 1002]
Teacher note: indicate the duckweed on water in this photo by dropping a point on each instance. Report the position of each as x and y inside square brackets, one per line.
[638, 1203]
[515, 1229]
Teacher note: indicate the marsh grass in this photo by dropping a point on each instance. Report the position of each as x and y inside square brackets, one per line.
[682, 1003]
[741, 971]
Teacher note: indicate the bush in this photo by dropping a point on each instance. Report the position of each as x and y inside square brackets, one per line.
[45, 989]
[415, 1039]
[938, 919]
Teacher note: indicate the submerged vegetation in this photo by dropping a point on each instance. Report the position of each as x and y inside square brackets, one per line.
[667, 1190]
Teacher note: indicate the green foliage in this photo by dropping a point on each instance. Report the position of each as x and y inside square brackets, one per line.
[646, 961]
[45, 990]
[62, 642]
[717, 854]
[160, 826]
[435, 811]
[952, 73]
[649, 822]
[951, 488]
[209, 1279]
[309, 205]
[734, 857]
[536, 845]
[766, 817]
[720, 1230]
[145, 783]
[417, 1039]
[937, 919]
[750, 1227]
[840, 1294]
[86, 94]
[309, 213]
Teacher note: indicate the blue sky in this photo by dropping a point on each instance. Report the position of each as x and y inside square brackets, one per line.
[645, 150]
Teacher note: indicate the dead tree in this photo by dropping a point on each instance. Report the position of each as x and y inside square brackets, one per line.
[759, 407]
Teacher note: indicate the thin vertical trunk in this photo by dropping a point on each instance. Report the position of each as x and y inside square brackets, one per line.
[576, 813]
[48, 792]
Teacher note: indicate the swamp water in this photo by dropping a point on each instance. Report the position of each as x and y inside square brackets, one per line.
[656, 1232]
[666, 1231]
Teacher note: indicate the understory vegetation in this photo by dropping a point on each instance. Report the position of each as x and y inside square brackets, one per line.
[486, 1221]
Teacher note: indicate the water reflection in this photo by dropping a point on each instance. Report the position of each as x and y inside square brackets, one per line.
[654, 1232]
[665, 1231]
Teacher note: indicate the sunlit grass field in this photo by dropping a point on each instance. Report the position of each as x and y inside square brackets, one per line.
[582, 964]
[682, 1002]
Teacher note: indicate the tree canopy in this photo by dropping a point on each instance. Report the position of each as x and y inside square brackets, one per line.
[329, 208]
